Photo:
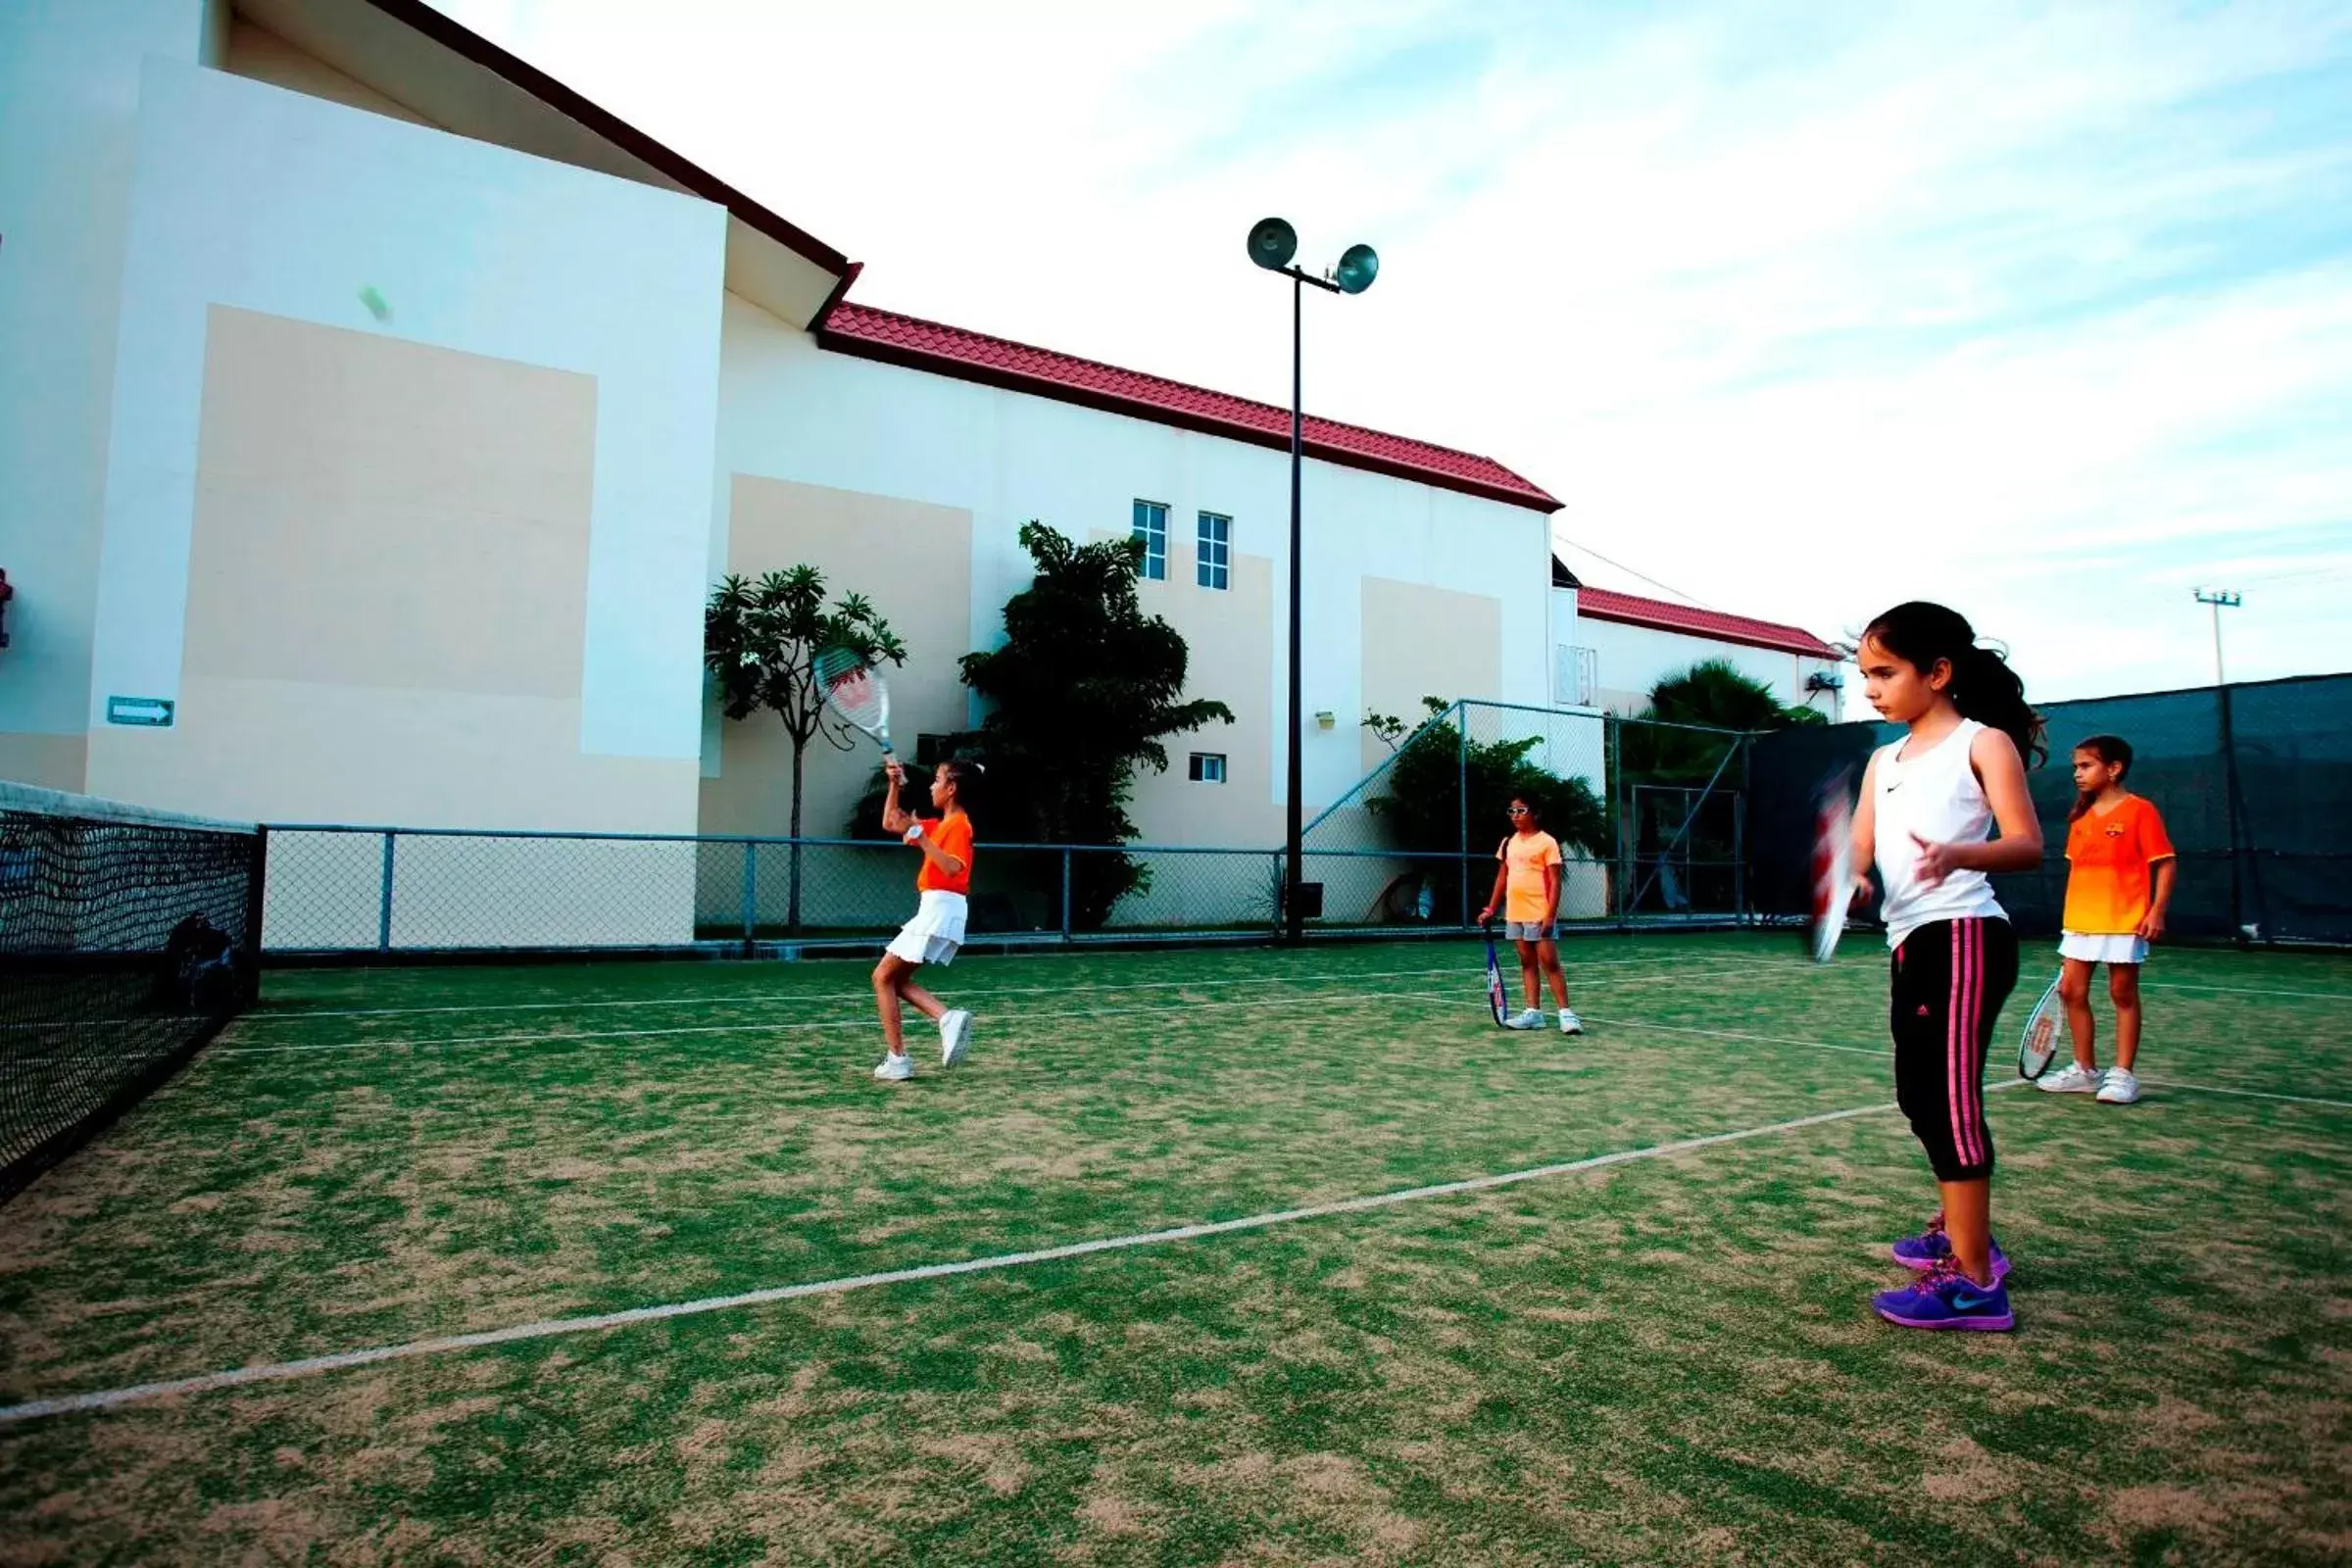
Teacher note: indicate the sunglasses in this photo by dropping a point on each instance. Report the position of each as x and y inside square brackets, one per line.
[1518, 810]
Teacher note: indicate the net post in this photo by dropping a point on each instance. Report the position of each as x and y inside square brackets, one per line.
[383, 910]
[250, 989]
[2234, 805]
[1740, 841]
[1065, 893]
[751, 893]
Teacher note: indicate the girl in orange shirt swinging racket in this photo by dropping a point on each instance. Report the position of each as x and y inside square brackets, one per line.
[937, 929]
[2119, 881]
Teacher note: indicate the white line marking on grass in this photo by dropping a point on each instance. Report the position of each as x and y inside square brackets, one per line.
[866, 1021]
[277, 1371]
[2247, 990]
[999, 991]
[2246, 1094]
[1887, 1053]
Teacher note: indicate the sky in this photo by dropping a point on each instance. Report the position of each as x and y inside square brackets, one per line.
[1801, 309]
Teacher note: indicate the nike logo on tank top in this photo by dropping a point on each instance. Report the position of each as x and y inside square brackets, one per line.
[1935, 794]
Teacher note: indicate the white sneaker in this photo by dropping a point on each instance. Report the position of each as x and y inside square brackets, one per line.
[1530, 1019]
[2119, 1088]
[896, 1069]
[1570, 1023]
[2070, 1080]
[955, 1036]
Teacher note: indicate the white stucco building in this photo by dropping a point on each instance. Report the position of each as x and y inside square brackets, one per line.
[331, 447]
[1610, 648]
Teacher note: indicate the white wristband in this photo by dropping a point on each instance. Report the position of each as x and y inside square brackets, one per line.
[911, 834]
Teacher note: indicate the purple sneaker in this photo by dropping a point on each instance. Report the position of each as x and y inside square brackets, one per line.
[1945, 1299]
[1931, 1247]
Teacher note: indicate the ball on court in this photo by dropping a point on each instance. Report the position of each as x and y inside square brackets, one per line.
[374, 301]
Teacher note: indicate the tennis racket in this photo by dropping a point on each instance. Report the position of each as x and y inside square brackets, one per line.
[854, 689]
[2039, 1042]
[1496, 998]
[1833, 866]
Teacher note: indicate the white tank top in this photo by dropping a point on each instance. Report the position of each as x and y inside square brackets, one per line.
[1935, 794]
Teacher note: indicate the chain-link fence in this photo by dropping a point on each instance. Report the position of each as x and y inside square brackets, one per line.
[1649, 815]
[358, 890]
[2254, 782]
[1649, 818]
[1662, 824]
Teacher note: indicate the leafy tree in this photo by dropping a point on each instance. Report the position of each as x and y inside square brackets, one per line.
[1434, 774]
[1712, 694]
[1081, 695]
[760, 640]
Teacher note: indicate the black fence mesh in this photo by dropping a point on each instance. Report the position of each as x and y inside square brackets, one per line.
[126, 941]
[2254, 781]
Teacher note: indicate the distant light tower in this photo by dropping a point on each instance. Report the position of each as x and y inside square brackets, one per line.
[2220, 599]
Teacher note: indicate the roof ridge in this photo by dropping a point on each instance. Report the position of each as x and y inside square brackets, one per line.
[1327, 428]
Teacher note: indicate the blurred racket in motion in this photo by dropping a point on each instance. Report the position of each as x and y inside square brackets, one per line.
[1832, 863]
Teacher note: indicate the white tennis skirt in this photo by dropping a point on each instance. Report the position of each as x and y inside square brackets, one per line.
[935, 932]
[2087, 949]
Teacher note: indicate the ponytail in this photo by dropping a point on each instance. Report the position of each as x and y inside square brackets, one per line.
[1982, 685]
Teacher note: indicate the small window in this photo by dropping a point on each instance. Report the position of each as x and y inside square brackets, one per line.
[1209, 768]
[1213, 566]
[1151, 528]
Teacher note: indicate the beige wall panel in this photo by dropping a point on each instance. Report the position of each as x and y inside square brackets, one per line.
[1228, 637]
[264, 56]
[376, 512]
[915, 562]
[387, 574]
[48, 761]
[296, 751]
[1420, 641]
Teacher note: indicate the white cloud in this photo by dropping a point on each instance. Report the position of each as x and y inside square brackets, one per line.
[2044, 310]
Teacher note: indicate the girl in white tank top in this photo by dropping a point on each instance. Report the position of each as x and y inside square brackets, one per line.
[1933, 796]
[1930, 803]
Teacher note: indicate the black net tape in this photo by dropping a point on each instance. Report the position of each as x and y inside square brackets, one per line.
[126, 941]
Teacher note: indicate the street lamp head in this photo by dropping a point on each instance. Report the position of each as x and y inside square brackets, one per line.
[1358, 266]
[1272, 243]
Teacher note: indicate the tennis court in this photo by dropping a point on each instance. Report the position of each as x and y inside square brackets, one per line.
[1207, 1308]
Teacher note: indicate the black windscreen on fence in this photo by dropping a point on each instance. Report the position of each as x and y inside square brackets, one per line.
[2254, 781]
[127, 937]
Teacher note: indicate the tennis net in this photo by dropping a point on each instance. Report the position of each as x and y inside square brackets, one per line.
[127, 937]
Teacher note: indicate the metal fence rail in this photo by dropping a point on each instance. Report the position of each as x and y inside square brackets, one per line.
[1410, 848]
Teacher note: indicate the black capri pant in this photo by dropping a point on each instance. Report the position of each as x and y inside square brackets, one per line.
[1950, 979]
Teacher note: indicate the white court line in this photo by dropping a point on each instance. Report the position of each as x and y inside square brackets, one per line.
[865, 1021]
[1886, 1052]
[265, 1018]
[276, 1371]
[2246, 991]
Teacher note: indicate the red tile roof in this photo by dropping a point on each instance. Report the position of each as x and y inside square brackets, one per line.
[1634, 611]
[894, 339]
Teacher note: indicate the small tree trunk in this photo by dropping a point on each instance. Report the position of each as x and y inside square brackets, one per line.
[800, 744]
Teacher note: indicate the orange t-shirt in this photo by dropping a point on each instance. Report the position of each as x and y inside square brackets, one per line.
[1526, 854]
[952, 835]
[2108, 889]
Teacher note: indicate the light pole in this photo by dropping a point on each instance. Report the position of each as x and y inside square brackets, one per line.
[2220, 599]
[1272, 244]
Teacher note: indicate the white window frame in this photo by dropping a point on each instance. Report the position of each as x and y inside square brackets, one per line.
[1151, 528]
[1209, 768]
[1213, 566]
